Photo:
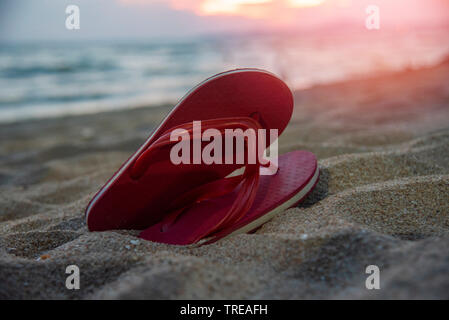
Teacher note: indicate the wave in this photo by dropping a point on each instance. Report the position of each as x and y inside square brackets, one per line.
[76, 97]
[20, 71]
[50, 79]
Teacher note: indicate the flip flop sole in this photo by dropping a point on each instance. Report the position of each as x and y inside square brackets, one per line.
[255, 224]
[297, 175]
[124, 203]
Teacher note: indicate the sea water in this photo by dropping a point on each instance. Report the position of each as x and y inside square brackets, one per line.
[49, 79]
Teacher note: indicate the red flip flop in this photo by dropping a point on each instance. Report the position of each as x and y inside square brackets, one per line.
[252, 203]
[138, 195]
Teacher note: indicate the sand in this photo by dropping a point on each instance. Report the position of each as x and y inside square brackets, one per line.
[383, 149]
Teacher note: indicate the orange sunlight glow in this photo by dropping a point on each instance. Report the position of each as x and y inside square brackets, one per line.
[244, 8]
[305, 3]
[227, 6]
[251, 8]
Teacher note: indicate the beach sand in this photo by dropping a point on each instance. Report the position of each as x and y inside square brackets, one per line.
[382, 199]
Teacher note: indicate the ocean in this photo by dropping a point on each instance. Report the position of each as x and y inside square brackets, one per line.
[59, 78]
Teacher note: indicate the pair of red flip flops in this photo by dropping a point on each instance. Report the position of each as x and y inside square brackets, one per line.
[201, 203]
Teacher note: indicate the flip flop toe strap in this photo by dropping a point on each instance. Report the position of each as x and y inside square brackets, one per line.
[247, 182]
[144, 160]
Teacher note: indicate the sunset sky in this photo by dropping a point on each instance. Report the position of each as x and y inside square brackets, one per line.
[111, 19]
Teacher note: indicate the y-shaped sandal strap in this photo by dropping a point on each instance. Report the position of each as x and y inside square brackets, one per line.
[248, 181]
[144, 160]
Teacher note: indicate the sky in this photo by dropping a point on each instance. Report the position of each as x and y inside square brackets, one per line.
[142, 19]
